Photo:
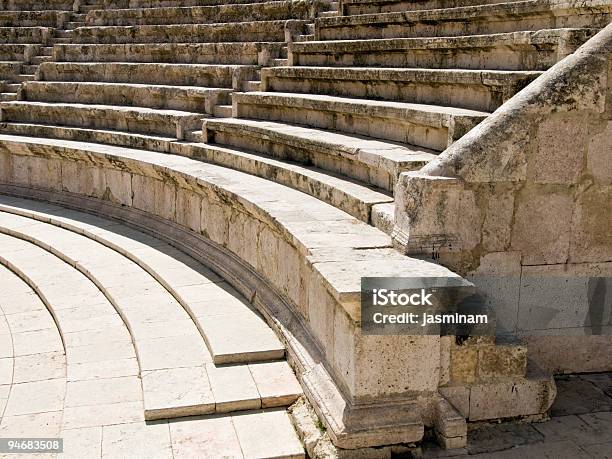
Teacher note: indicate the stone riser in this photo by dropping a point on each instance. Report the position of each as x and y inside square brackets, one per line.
[37, 5]
[25, 35]
[9, 70]
[424, 129]
[385, 6]
[179, 53]
[458, 27]
[124, 139]
[124, 4]
[475, 96]
[141, 121]
[189, 33]
[214, 76]
[16, 52]
[270, 11]
[165, 97]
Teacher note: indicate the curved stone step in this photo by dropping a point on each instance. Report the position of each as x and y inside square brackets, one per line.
[125, 4]
[481, 19]
[365, 159]
[354, 7]
[482, 90]
[247, 53]
[233, 331]
[207, 75]
[429, 126]
[133, 119]
[185, 98]
[225, 13]
[505, 51]
[174, 380]
[184, 33]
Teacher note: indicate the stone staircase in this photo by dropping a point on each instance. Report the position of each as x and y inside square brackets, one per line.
[158, 331]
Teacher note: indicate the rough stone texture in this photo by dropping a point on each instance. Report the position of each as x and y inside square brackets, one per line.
[530, 172]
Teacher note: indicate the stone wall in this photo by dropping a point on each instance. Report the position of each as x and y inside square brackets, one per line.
[526, 198]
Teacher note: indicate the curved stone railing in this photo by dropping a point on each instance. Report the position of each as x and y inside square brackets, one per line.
[528, 191]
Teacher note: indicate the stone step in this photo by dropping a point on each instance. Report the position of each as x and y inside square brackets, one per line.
[29, 69]
[505, 51]
[74, 24]
[172, 356]
[222, 111]
[258, 31]
[63, 33]
[383, 217]
[8, 96]
[88, 8]
[351, 196]
[61, 40]
[131, 119]
[119, 138]
[203, 75]
[25, 35]
[37, 60]
[367, 160]
[428, 126]
[265, 11]
[482, 19]
[33, 18]
[234, 332]
[278, 62]
[10, 68]
[355, 7]
[80, 17]
[328, 14]
[38, 5]
[18, 52]
[12, 87]
[187, 98]
[471, 89]
[305, 38]
[255, 53]
[130, 4]
[24, 77]
[46, 51]
[252, 85]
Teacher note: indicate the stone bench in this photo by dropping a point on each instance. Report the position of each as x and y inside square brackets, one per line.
[267, 11]
[365, 159]
[507, 51]
[25, 35]
[184, 33]
[428, 126]
[22, 53]
[187, 98]
[208, 75]
[34, 18]
[472, 89]
[354, 7]
[257, 53]
[482, 19]
[9, 69]
[173, 123]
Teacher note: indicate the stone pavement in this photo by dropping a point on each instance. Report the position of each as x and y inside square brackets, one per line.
[580, 427]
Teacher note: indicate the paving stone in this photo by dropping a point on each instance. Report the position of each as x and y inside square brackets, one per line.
[575, 396]
[101, 352]
[176, 392]
[103, 391]
[556, 450]
[495, 438]
[233, 388]
[101, 415]
[601, 380]
[81, 443]
[600, 451]
[32, 342]
[38, 367]
[104, 369]
[276, 383]
[6, 370]
[255, 429]
[172, 352]
[39, 425]
[572, 428]
[210, 436]
[137, 440]
[36, 397]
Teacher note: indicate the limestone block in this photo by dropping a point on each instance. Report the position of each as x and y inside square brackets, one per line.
[188, 208]
[243, 236]
[591, 238]
[215, 220]
[598, 156]
[537, 231]
[118, 187]
[562, 142]
[499, 362]
[321, 307]
[464, 364]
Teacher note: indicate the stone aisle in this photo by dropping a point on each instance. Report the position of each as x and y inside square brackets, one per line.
[125, 347]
